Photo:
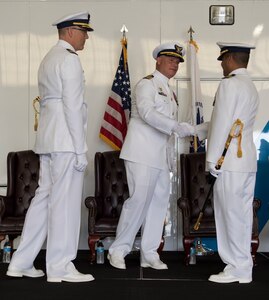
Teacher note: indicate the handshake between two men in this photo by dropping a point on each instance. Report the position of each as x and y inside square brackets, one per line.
[185, 129]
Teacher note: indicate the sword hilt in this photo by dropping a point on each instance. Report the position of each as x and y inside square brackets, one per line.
[197, 224]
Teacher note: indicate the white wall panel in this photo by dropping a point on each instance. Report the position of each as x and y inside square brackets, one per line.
[14, 80]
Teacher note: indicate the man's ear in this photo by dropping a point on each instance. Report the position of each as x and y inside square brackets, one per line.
[158, 60]
[230, 57]
[69, 32]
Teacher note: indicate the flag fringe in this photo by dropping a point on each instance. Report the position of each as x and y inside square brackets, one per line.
[192, 42]
[109, 142]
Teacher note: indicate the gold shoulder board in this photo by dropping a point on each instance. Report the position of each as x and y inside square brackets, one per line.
[148, 77]
[228, 76]
[71, 51]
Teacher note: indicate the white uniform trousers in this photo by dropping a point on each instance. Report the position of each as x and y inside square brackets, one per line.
[233, 208]
[149, 190]
[54, 214]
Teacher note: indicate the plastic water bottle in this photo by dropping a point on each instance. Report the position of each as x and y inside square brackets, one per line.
[100, 253]
[199, 248]
[7, 252]
[192, 256]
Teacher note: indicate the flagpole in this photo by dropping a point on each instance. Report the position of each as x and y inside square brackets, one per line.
[191, 31]
[124, 45]
[124, 30]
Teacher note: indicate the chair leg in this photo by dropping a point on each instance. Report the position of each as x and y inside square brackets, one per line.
[2, 237]
[187, 242]
[11, 238]
[161, 246]
[254, 248]
[92, 239]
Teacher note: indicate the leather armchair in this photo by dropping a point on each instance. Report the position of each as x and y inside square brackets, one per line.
[111, 190]
[194, 189]
[22, 182]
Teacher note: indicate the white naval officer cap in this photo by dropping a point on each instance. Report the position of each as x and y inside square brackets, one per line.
[80, 19]
[169, 49]
[233, 47]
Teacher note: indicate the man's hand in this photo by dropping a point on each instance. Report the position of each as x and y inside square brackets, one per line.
[202, 130]
[213, 171]
[81, 162]
[184, 129]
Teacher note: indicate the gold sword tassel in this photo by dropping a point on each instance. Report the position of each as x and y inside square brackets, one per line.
[35, 101]
[238, 135]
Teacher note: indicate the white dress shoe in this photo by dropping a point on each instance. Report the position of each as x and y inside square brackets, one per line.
[223, 277]
[72, 277]
[33, 272]
[156, 264]
[117, 261]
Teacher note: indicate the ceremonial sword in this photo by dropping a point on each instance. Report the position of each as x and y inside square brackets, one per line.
[232, 134]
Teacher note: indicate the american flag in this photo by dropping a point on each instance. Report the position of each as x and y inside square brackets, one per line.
[116, 118]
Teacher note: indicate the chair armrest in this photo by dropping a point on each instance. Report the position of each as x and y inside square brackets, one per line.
[6, 205]
[91, 204]
[255, 225]
[256, 204]
[2, 207]
[183, 204]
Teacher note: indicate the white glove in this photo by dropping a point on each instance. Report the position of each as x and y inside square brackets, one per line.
[202, 130]
[213, 171]
[81, 162]
[184, 129]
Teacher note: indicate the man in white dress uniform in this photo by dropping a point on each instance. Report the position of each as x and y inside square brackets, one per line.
[153, 121]
[236, 98]
[54, 213]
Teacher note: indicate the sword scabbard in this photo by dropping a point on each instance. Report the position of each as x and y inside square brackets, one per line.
[197, 224]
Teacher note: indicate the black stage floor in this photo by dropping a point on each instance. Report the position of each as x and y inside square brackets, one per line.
[178, 282]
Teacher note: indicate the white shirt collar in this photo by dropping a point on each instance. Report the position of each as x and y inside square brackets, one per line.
[161, 76]
[240, 71]
[66, 45]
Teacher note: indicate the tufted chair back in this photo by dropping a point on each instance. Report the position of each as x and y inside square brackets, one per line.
[111, 190]
[111, 184]
[194, 189]
[22, 182]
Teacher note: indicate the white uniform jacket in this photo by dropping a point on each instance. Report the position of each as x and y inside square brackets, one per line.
[152, 120]
[63, 112]
[236, 98]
